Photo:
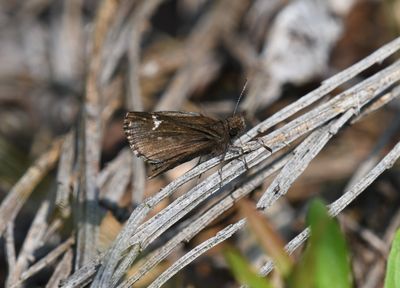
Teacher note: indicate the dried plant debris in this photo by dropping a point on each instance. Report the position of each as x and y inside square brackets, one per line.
[77, 206]
[296, 50]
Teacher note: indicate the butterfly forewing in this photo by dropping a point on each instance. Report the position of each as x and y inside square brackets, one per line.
[169, 138]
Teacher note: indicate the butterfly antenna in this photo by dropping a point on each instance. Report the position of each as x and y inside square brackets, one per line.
[240, 97]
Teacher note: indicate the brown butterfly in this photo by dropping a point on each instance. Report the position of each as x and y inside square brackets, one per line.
[169, 138]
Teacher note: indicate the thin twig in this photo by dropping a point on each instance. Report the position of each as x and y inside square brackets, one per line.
[44, 262]
[327, 86]
[10, 247]
[87, 237]
[375, 273]
[355, 97]
[373, 157]
[32, 242]
[144, 11]
[154, 227]
[275, 140]
[200, 222]
[138, 19]
[388, 97]
[303, 155]
[337, 206]
[196, 252]
[202, 65]
[113, 256]
[62, 270]
[18, 195]
[366, 234]
[85, 274]
[113, 180]
[67, 41]
[117, 42]
[64, 175]
[359, 96]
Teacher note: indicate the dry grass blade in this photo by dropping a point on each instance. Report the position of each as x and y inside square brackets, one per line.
[87, 236]
[62, 271]
[65, 175]
[196, 252]
[327, 86]
[141, 235]
[199, 222]
[276, 140]
[16, 198]
[33, 241]
[303, 155]
[10, 246]
[42, 263]
[75, 68]
[202, 65]
[349, 196]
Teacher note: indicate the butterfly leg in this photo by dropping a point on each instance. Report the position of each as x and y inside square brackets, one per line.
[241, 151]
[259, 141]
[198, 177]
[223, 155]
[220, 175]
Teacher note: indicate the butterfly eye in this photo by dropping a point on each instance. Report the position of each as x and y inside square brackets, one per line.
[233, 132]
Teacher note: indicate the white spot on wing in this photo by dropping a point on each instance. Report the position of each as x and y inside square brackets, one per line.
[156, 122]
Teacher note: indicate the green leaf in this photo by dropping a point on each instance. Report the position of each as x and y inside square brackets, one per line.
[325, 263]
[392, 278]
[242, 270]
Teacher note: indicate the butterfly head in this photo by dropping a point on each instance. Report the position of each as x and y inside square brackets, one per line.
[236, 125]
